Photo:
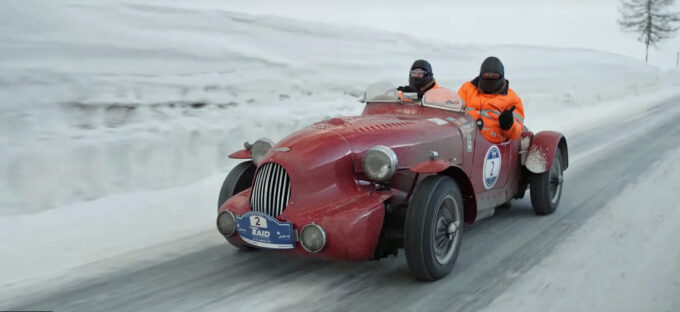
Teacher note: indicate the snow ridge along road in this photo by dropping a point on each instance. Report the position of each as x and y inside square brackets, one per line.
[496, 253]
[152, 96]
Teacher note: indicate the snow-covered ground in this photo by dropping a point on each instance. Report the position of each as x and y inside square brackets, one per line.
[116, 117]
[626, 258]
[103, 97]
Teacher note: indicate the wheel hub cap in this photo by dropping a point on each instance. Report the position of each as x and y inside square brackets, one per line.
[445, 236]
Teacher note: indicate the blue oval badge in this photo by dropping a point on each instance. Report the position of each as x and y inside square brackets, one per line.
[492, 167]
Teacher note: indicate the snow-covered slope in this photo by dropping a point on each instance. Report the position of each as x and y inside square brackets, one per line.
[102, 97]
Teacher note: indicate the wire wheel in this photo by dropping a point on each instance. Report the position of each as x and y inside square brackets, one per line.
[555, 181]
[446, 228]
[546, 187]
[433, 230]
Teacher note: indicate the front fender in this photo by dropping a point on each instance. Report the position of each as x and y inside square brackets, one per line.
[542, 151]
[242, 154]
[432, 166]
[352, 222]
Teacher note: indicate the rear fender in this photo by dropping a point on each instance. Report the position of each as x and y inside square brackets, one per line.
[542, 151]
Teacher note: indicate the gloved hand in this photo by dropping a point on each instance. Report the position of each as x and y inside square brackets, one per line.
[407, 89]
[506, 119]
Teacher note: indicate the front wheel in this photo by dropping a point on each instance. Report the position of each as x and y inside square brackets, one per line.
[433, 231]
[546, 188]
[236, 181]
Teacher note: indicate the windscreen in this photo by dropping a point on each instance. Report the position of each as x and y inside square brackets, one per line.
[443, 98]
[381, 92]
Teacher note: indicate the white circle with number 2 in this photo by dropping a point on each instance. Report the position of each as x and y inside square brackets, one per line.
[492, 167]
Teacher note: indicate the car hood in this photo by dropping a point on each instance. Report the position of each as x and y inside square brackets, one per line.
[322, 159]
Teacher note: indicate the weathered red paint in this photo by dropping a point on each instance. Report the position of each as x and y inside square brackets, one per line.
[432, 166]
[543, 146]
[352, 223]
[242, 154]
[328, 186]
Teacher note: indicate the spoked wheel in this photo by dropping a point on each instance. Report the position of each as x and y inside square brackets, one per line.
[447, 225]
[434, 228]
[546, 188]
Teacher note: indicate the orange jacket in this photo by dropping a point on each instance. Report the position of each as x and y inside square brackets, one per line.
[489, 106]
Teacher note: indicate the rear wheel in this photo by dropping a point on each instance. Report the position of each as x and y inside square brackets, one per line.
[434, 227]
[546, 188]
[236, 181]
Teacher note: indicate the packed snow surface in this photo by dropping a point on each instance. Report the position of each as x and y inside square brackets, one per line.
[625, 258]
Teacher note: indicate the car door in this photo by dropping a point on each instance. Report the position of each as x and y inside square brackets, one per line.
[490, 171]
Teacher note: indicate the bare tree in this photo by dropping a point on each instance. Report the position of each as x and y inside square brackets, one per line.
[651, 19]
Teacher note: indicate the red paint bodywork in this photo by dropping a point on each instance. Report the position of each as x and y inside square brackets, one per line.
[328, 186]
[242, 154]
[546, 143]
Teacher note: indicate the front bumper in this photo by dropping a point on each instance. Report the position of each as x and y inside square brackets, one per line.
[352, 222]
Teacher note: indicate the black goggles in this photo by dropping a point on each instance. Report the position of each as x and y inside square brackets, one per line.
[418, 73]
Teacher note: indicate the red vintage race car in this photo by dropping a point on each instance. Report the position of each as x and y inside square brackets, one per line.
[406, 173]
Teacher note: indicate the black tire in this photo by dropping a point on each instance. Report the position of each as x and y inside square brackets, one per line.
[236, 181]
[435, 210]
[546, 187]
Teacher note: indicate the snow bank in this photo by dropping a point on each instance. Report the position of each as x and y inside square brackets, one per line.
[104, 97]
[625, 258]
[50, 242]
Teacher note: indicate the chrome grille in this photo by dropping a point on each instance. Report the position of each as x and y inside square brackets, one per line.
[271, 190]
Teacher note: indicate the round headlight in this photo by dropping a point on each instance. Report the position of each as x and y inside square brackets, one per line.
[226, 223]
[313, 238]
[259, 148]
[380, 163]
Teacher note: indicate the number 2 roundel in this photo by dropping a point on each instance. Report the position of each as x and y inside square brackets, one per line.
[492, 167]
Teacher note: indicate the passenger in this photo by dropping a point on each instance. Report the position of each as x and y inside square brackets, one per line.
[420, 79]
[496, 108]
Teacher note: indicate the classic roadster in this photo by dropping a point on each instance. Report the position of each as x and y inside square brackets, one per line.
[406, 173]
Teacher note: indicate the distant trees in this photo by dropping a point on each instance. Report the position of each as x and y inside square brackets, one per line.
[650, 19]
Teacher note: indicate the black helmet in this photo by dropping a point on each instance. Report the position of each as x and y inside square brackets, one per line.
[419, 79]
[491, 75]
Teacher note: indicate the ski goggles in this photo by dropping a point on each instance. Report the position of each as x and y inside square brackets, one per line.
[491, 76]
[418, 73]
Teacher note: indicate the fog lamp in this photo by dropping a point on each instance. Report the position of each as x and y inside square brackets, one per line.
[226, 223]
[313, 238]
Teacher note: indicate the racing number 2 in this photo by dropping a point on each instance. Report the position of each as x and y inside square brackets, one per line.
[258, 221]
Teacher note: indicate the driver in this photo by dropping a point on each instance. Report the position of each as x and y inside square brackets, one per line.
[496, 108]
[420, 79]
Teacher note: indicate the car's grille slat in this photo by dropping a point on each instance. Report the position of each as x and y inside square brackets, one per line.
[271, 190]
[256, 191]
[275, 192]
[287, 190]
[279, 192]
[265, 198]
[271, 198]
[268, 199]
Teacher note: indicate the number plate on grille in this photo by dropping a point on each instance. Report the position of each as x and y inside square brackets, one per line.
[262, 230]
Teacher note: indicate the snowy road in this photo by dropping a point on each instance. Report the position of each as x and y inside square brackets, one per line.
[211, 275]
